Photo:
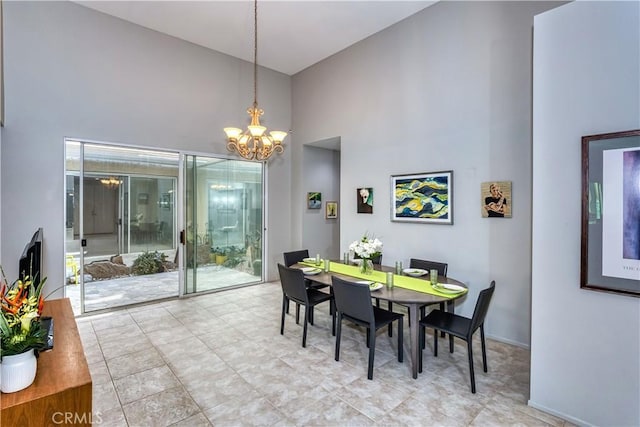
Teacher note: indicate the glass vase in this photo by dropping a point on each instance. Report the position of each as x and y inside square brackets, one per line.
[366, 266]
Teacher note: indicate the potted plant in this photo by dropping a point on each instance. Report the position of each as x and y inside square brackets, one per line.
[221, 255]
[21, 305]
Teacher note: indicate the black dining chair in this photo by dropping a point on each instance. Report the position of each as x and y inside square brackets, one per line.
[294, 257]
[442, 268]
[294, 289]
[353, 302]
[461, 327]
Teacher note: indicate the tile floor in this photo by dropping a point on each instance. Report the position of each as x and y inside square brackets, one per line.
[219, 359]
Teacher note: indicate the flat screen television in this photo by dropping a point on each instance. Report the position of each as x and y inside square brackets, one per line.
[31, 258]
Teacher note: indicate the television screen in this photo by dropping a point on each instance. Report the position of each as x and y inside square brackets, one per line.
[31, 258]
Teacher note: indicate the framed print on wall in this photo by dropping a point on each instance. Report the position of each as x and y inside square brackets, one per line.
[422, 197]
[610, 250]
[331, 210]
[314, 200]
[365, 200]
[496, 199]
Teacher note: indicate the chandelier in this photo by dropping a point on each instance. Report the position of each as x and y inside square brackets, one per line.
[110, 182]
[254, 144]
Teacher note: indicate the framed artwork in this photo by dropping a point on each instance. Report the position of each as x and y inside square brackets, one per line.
[496, 199]
[314, 200]
[165, 201]
[365, 200]
[422, 197]
[610, 249]
[331, 210]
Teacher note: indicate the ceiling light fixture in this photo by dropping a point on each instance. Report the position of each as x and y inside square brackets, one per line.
[110, 182]
[254, 144]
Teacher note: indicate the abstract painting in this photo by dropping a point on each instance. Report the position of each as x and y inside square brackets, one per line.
[422, 197]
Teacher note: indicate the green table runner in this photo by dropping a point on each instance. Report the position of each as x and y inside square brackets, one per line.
[406, 282]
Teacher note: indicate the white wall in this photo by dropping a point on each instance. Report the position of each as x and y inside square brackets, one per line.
[447, 89]
[585, 345]
[71, 71]
[321, 173]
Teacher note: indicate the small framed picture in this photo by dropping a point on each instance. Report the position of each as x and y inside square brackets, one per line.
[496, 199]
[331, 210]
[365, 200]
[314, 200]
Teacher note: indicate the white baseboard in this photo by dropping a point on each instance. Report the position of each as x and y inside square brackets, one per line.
[569, 418]
[506, 341]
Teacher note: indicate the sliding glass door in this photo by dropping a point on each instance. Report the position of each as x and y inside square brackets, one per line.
[121, 225]
[224, 223]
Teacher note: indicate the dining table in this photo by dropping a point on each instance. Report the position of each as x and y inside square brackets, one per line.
[411, 292]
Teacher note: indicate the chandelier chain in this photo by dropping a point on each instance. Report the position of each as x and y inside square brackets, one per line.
[255, 53]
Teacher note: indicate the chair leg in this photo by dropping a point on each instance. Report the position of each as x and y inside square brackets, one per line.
[338, 333]
[368, 340]
[484, 349]
[435, 343]
[442, 334]
[421, 348]
[297, 314]
[378, 302]
[390, 307]
[307, 313]
[285, 305]
[450, 343]
[423, 340]
[310, 315]
[332, 308]
[372, 351]
[400, 345]
[473, 377]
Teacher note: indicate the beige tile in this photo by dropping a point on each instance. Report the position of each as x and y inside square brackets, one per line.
[110, 418]
[145, 383]
[104, 397]
[246, 410]
[197, 420]
[161, 409]
[123, 346]
[134, 362]
[218, 389]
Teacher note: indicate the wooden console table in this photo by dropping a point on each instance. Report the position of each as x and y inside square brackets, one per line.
[62, 390]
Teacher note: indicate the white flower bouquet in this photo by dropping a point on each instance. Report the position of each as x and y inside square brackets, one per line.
[367, 247]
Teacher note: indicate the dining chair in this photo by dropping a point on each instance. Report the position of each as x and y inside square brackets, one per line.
[353, 302]
[294, 257]
[294, 289]
[442, 268]
[461, 327]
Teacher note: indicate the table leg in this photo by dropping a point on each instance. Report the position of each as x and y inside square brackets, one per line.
[414, 330]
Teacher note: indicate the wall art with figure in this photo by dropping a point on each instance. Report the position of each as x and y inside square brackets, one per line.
[496, 199]
[365, 200]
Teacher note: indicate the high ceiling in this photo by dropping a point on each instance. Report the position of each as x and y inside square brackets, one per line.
[292, 35]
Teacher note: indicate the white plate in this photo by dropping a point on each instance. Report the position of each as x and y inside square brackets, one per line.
[311, 260]
[311, 270]
[373, 286]
[448, 288]
[415, 272]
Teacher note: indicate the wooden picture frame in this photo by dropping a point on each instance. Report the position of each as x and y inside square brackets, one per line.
[422, 197]
[496, 199]
[331, 210]
[610, 229]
